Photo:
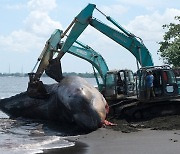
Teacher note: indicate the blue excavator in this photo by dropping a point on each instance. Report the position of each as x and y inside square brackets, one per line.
[114, 84]
[165, 83]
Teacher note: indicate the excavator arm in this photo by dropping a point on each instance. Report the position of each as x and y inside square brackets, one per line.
[54, 45]
[46, 55]
[122, 37]
[78, 25]
[87, 53]
[130, 42]
[82, 51]
[36, 87]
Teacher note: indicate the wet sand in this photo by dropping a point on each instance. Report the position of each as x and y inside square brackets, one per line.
[156, 136]
[159, 135]
[106, 141]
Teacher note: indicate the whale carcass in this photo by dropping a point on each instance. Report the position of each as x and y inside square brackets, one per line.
[72, 101]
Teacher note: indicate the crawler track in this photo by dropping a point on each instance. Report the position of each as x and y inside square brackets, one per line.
[133, 110]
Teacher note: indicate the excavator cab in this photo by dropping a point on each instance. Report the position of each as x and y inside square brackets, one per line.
[165, 84]
[177, 73]
[119, 84]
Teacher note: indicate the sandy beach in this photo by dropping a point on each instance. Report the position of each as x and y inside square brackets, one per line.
[160, 135]
[106, 141]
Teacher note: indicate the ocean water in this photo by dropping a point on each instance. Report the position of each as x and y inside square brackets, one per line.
[22, 136]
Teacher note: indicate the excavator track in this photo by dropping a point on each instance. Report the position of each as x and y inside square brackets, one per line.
[133, 110]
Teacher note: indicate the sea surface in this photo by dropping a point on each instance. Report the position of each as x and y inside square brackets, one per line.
[22, 136]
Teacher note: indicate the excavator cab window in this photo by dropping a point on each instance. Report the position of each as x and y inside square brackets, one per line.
[164, 84]
[177, 74]
[120, 83]
[130, 82]
[125, 82]
[169, 82]
[110, 89]
[169, 77]
[157, 83]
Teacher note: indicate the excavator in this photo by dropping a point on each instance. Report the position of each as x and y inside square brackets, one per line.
[116, 84]
[112, 90]
[165, 83]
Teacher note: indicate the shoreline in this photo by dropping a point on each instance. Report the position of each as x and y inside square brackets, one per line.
[108, 141]
[160, 135]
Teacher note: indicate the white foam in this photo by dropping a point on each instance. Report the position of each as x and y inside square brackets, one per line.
[3, 115]
[39, 144]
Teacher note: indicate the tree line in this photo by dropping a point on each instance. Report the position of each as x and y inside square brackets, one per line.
[84, 75]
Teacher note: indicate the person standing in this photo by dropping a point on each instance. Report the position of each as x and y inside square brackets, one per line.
[149, 85]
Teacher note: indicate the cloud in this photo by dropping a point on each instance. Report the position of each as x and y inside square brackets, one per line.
[150, 5]
[20, 41]
[139, 2]
[42, 5]
[149, 27]
[115, 10]
[41, 24]
[15, 7]
[37, 28]
[38, 21]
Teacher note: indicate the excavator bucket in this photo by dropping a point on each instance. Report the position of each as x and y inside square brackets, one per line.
[36, 89]
[54, 70]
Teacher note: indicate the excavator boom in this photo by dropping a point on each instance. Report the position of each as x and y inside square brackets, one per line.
[79, 24]
[137, 48]
[52, 67]
[125, 39]
[92, 57]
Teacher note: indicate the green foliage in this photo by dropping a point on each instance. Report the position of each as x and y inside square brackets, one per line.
[170, 46]
[83, 75]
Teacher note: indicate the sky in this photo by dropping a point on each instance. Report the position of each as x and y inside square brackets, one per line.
[26, 25]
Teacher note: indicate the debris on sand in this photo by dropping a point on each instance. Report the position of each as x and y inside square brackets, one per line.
[159, 123]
